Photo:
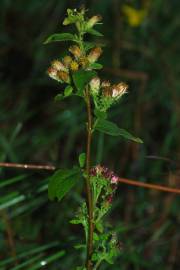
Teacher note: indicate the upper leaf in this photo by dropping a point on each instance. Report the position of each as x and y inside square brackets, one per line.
[62, 181]
[60, 37]
[81, 78]
[112, 129]
[94, 32]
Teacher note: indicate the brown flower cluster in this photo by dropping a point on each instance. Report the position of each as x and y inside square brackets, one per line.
[114, 91]
[60, 70]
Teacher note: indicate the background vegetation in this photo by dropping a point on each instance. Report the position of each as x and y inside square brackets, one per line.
[142, 41]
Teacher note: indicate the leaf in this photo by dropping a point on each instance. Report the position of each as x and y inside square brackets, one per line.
[62, 181]
[60, 37]
[94, 32]
[81, 78]
[59, 97]
[88, 45]
[100, 114]
[80, 246]
[68, 91]
[82, 159]
[96, 66]
[112, 129]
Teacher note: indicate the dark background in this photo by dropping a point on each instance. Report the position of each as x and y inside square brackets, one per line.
[142, 50]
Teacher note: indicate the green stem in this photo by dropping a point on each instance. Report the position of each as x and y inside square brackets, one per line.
[88, 185]
[98, 264]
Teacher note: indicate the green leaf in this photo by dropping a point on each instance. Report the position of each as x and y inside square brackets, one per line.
[89, 45]
[80, 246]
[60, 37]
[112, 129]
[100, 114]
[94, 32]
[81, 78]
[68, 91]
[96, 66]
[82, 159]
[59, 97]
[62, 181]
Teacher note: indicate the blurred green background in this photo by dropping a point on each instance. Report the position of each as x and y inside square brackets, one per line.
[142, 41]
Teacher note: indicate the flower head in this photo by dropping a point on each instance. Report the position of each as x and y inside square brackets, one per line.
[95, 85]
[93, 20]
[105, 84]
[83, 61]
[58, 65]
[52, 72]
[63, 76]
[74, 66]
[119, 89]
[94, 54]
[67, 60]
[76, 51]
[106, 173]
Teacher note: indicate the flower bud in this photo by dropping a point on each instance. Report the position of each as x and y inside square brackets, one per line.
[119, 89]
[63, 76]
[95, 85]
[94, 54]
[75, 50]
[74, 66]
[93, 20]
[58, 65]
[67, 60]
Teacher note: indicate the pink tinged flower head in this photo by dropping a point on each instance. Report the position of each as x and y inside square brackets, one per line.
[95, 85]
[114, 179]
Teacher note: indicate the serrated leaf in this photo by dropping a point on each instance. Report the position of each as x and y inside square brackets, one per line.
[94, 32]
[82, 159]
[81, 78]
[60, 37]
[62, 181]
[96, 66]
[68, 91]
[112, 129]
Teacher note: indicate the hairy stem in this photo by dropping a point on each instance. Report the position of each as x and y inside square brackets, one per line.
[88, 186]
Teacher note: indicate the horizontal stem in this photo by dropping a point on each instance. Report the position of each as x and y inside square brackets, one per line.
[27, 166]
[120, 180]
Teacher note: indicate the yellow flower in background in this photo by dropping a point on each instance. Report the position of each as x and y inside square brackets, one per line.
[134, 16]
